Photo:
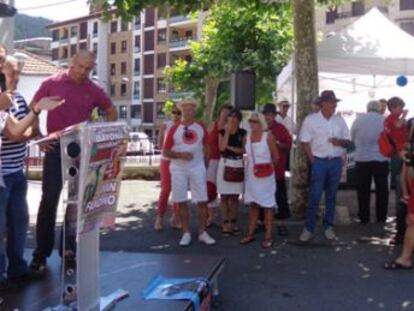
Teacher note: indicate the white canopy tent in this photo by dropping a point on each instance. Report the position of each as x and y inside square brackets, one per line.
[360, 63]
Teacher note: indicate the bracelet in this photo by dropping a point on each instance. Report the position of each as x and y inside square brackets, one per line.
[35, 113]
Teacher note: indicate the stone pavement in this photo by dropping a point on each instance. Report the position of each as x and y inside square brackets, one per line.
[346, 275]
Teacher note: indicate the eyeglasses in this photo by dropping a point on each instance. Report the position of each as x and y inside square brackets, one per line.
[176, 112]
[254, 121]
[286, 106]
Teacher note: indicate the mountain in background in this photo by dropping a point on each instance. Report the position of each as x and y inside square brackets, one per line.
[30, 27]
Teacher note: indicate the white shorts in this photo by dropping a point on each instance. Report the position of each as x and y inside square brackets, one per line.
[195, 179]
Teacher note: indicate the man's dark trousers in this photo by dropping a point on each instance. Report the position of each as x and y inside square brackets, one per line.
[365, 172]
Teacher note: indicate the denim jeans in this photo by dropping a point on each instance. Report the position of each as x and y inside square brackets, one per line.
[325, 176]
[14, 218]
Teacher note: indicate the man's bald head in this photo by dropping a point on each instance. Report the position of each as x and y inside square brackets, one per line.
[81, 65]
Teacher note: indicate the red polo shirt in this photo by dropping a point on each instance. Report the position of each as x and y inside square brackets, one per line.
[281, 134]
[80, 100]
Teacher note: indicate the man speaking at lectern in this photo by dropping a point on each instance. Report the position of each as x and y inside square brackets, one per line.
[81, 96]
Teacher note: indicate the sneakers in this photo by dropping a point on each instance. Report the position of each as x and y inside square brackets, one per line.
[38, 266]
[305, 236]
[185, 239]
[330, 234]
[206, 239]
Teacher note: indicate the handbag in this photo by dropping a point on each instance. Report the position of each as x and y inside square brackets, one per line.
[233, 174]
[261, 170]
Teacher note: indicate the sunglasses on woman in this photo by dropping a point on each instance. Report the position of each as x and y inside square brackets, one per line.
[254, 121]
[176, 112]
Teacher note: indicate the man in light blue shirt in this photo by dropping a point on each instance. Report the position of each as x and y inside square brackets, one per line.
[370, 163]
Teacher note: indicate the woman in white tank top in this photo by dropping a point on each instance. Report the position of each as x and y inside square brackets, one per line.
[260, 181]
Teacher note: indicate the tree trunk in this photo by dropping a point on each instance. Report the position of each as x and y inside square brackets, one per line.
[210, 97]
[306, 72]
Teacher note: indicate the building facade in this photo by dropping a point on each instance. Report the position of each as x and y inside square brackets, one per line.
[401, 12]
[131, 57]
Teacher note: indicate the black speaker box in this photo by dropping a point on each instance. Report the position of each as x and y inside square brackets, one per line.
[243, 95]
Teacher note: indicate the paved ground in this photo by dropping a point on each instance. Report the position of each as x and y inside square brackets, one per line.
[320, 276]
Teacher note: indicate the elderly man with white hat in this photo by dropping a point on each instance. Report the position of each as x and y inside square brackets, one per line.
[282, 116]
[186, 146]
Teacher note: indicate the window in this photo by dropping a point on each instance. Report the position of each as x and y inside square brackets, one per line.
[406, 5]
[135, 111]
[149, 64]
[331, 15]
[65, 34]
[137, 66]
[358, 8]
[114, 26]
[162, 35]
[148, 116]
[188, 58]
[137, 44]
[148, 88]
[112, 91]
[160, 111]
[124, 25]
[161, 86]
[55, 54]
[123, 89]
[113, 69]
[55, 35]
[174, 35]
[83, 33]
[136, 90]
[123, 46]
[408, 27]
[113, 48]
[73, 49]
[123, 112]
[83, 46]
[95, 29]
[95, 48]
[123, 68]
[137, 22]
[149, 40]
[73, 31]
[189, 34]
[161, 60]
[64, 53]
[149, 17]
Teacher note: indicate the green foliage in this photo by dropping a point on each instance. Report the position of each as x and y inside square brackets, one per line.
[238, 35]
[169, 104]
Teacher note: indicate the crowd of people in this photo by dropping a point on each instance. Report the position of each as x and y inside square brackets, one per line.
[233, 163]
[218, 165]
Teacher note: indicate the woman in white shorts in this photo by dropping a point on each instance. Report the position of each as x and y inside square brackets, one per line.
[232, 140]
[260, 181]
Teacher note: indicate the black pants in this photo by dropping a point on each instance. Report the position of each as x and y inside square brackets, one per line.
[282, 199]
[46, 217]
[401, 211]
[365, 172]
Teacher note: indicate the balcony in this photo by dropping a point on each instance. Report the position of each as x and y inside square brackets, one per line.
[137, 72]
[137, 49]
[95, 34]
[180, 41]
[64, 39]
[178, 18]
[136, 95]
[137, 26]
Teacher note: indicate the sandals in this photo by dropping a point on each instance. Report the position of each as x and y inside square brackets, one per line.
[394, 265]
[158, 223]
[267, 243]
[235, 230]
[247, 239]
[225, 230]
[282, 231]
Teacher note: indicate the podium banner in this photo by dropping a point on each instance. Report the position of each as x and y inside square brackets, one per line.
[102, 177]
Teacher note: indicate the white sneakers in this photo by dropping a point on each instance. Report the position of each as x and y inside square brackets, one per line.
[202, 238]
[330, 234]
[206, 239]
[185, 239]
[305, 236]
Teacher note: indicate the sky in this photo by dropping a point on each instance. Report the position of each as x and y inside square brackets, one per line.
[56, 10]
